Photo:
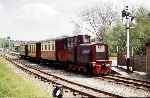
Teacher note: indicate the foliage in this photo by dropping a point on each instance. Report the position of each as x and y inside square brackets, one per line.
[139, 34]
[116, 38]
[4, 42]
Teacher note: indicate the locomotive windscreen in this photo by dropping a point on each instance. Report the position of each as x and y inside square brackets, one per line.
[101, 52]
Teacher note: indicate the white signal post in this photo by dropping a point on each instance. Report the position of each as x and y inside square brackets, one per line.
[128, 35]
[126, 15]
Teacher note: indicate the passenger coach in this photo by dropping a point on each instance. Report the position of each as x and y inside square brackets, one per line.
[23, 50]
[34, 50]
[48, 52]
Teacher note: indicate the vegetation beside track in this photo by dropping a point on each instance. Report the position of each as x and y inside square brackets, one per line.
[12, 85]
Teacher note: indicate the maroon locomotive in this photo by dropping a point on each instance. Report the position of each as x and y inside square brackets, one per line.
[78, 53]
[73, 53]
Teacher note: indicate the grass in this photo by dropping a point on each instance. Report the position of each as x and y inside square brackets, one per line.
[12, 85]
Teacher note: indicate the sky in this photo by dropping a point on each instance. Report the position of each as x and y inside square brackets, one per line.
[43, 19]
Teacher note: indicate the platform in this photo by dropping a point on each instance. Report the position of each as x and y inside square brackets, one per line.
[122, 70]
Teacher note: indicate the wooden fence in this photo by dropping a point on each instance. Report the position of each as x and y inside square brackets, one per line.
[139, 63]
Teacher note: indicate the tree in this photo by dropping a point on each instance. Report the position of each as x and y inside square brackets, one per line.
[98, 19]
[4, 42]
[116, 38]
[139, 35]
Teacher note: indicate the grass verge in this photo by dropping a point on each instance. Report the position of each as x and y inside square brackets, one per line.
[12, 85]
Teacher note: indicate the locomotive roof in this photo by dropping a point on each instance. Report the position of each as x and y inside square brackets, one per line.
[62, 37]
[93, 43]
[51, 39]
[32, 42]
[56, 38]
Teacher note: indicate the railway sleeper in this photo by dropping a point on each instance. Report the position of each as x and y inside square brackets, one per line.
[66, 90]
[75, 93]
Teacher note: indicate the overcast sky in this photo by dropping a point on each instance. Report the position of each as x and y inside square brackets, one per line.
[42, 19]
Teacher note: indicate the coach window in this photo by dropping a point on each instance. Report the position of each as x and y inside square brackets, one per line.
[41, 47]
[30, 48]
[52, 47]
[34, 48]
[49, 47]
[45, 47]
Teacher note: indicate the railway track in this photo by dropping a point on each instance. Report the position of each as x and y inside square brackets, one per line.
[66, 84]
[128, 81]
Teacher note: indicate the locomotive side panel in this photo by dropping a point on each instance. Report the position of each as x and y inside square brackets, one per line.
[83, 54]
[72, 43]
[72, 55]
[61, 50]
[71, 46]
